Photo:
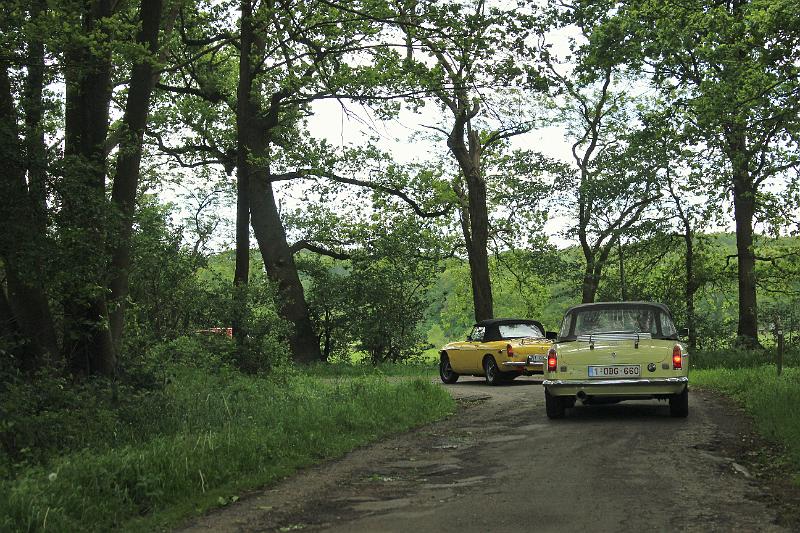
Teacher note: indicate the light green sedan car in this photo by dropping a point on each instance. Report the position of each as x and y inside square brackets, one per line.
[612, 351]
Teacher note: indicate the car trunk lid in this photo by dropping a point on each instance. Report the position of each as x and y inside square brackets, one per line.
[611, 350]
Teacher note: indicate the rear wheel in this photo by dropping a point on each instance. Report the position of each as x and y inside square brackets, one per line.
[554, 405]
[679, 404]
[491, 371]
[446, 371]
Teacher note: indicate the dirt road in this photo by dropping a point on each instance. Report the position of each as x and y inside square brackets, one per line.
[500, 465]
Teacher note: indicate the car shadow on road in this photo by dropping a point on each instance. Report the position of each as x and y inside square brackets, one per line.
[482, 383]
[644, 411]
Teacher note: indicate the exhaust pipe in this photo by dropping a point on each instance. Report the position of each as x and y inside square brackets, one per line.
[581, 395]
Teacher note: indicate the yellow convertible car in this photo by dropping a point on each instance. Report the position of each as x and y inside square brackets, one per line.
[608, 352]
[499, 349]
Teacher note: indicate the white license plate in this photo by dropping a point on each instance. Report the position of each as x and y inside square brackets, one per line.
[536, 358]
[615, 371]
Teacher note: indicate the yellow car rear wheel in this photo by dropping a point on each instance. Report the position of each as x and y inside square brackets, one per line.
[492, 371]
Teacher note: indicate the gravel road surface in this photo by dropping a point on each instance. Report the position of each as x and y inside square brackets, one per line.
[499, 464]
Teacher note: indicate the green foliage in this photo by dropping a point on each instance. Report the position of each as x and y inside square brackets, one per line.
[177, 292]
[388, 304]
[375, 301]
[329, 304]
[196, 441]
[770, 399]
[526, 284]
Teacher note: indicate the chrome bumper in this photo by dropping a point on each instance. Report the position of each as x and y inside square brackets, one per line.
[517, 364]
[631, 382]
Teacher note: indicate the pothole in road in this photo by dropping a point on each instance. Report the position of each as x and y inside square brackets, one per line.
[471, 401]
[408, 463]
[381, 505]
[504, 438]
[442, 469]
[531, 427]
[465, 482]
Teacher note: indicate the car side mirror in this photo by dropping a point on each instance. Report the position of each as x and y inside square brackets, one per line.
[684, 332]
[469, 338]
[550, 335]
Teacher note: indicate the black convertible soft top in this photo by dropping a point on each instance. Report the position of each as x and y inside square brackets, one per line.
[492, 326]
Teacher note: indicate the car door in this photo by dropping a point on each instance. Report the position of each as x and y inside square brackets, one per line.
[474, 355]
[464, 354]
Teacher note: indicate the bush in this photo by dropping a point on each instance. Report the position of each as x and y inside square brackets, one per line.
[51, 415]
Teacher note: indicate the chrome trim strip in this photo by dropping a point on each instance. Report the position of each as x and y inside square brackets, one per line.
[613, 337]
[522, 363]
[584, 382]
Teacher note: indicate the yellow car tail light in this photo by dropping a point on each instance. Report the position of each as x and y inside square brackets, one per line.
[509, 350]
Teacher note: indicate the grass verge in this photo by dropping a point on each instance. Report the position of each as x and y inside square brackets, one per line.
[420, 369]
[743, 358]
[210, 437]
[770, 399]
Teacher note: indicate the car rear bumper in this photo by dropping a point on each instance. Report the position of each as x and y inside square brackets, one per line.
[616, 387]
[527, 367]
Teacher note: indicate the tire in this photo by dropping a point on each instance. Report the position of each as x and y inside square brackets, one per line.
[679, 404]
[491, 371]
[446, 371]
[554, 405]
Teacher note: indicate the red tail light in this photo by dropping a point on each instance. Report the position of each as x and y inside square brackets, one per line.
[509, 350]
[552, 360]
[677, 357]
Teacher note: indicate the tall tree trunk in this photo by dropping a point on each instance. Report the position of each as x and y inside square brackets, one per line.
[255, 126]
[744, 206]
[744, 209]
[589, 286]
[623, 287]
[33, 105]
[691, 286]
[477, 249]
[87, 339]
[244, 114]
[21, 240]
[280, 265]
[593, 273]
[126, 179]
[475, 226]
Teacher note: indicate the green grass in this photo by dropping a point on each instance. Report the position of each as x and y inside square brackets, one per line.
[743, 358]
[770, 399]
[422, 368]
[208, 437]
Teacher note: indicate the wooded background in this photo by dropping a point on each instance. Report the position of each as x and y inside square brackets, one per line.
[682, 118]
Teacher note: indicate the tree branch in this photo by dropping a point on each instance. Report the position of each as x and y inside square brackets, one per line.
[306, 245]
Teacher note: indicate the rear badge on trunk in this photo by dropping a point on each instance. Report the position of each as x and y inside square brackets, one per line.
[651, 367]
[614, 354]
